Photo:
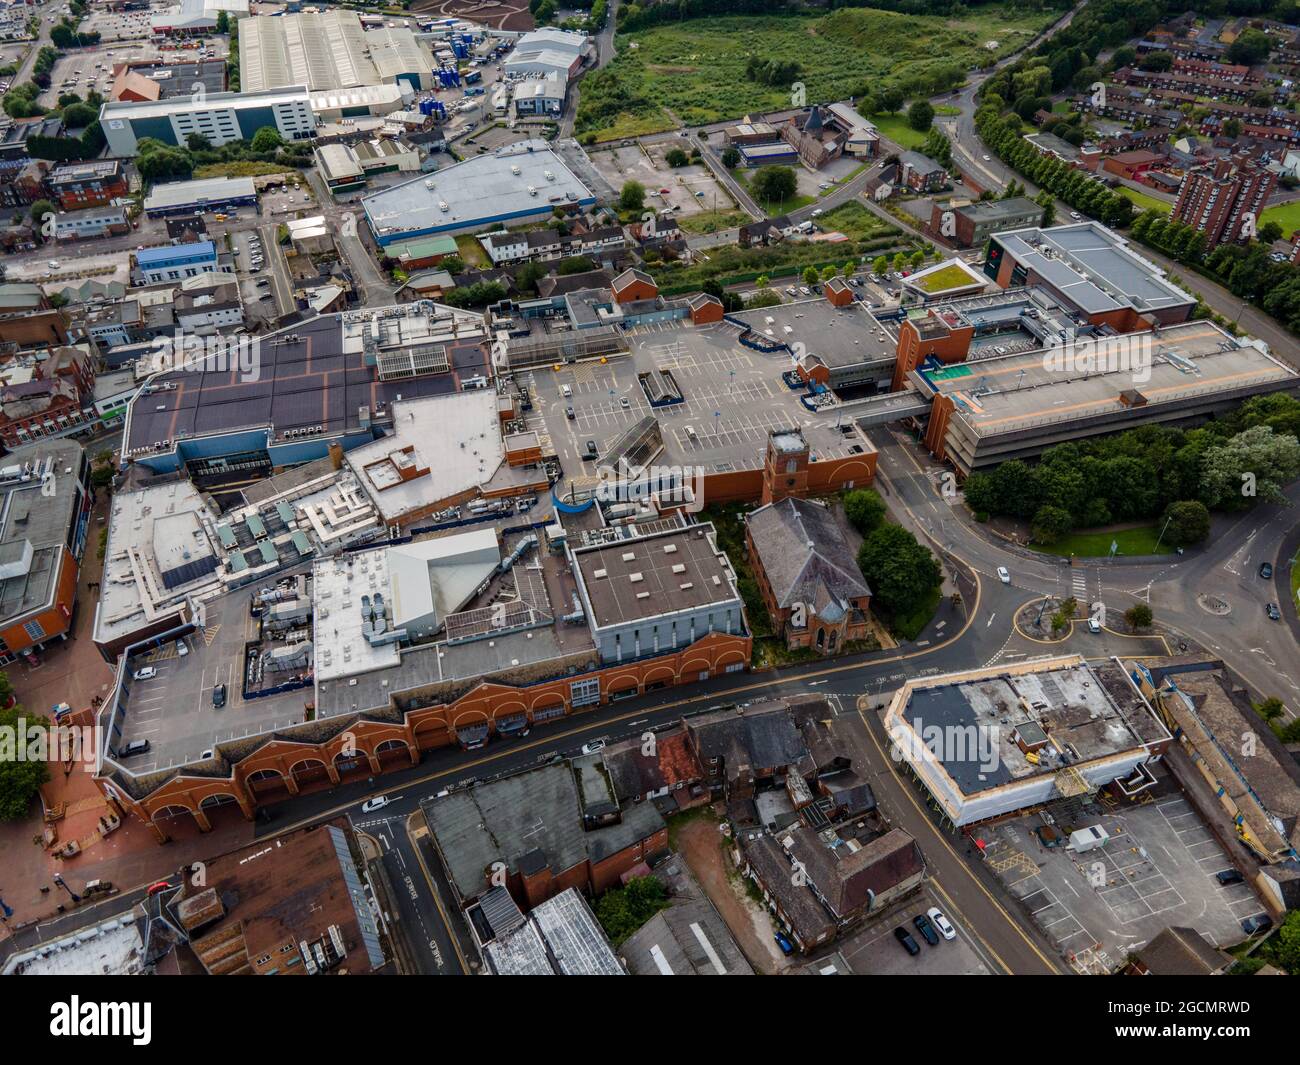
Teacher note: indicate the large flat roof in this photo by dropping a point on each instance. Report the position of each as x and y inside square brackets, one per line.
[835, 336]
[1094, 268]
[213, 101]
[630, 580]
[455, 437]
[203, 190]
[33, 525]
[313, 373]
[1065, 712]
[479, 190]
[322, 50]
[1187, 362]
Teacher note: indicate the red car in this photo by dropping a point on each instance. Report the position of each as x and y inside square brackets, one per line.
[162, 885]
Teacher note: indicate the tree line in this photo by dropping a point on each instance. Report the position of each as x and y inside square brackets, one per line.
[1150, 472]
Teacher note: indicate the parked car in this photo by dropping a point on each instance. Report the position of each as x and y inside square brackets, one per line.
[1272, 611]
[1261, 922]
[147, 673]
[1228, 876]
[153, 889]
[594, 747]
[218, 696]
[1266, 570]
[591, 450]
[134, 748]
[568, 413]
[624, 403]
[371, 805]
[941, 922]
[905, 938]
[926, 929]
[781, 941]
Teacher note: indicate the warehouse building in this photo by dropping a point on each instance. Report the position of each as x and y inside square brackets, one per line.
[220, 117]
[193, 18]
[358, 101]
[202, 196]
[329, 50]
[994, 741]
[523, 182]
[548, 52]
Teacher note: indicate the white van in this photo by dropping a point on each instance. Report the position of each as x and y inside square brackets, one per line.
[566, 391]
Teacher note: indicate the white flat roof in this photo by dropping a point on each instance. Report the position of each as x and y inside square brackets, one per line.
[457, 437]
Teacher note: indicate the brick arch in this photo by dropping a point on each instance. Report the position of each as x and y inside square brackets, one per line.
[207, 803]
[547, 700]
[659, 673]
[509, 711]
[618, 684]
[727, 658]
[392, 744]
[696, 665]
[265, 772]
[175, 807]
[470, 717]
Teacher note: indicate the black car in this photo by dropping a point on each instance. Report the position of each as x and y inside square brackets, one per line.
[1228, 876]
[219, 696]
[905, 938]
[926, 929]
[591, 449]
[568, 413]
[1266, 570]
[1272, 611]
[1261, 922]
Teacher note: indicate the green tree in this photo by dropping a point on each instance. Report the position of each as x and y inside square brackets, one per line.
[902, 573]
[632, 196]
[1186, 522]
[920, 116]
[880, 264]
[1253, 464]
[864, 509]
[21, 777]
[79, 116]
[1138, 616]
[1251, 47]
[1051, 523]
[810, 275]
[731, 158]
[1271, 708]
[266, 139]
[675, 158]
[197, 142]
[773, 184]
[623, 910]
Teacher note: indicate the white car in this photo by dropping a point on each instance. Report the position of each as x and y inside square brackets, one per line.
[145, 674]
[371, 805]
[941, 922]
[986, 158]
[1003, 575]
[1075, 215]
[594, 747]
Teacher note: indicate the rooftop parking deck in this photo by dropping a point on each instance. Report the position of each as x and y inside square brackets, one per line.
[733, 397]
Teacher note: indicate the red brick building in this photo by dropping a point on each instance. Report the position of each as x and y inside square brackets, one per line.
[90, 184]
[632, 285]
[1224, 200]
[46, 397]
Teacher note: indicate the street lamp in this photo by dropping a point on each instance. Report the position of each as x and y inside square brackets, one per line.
[58, 879]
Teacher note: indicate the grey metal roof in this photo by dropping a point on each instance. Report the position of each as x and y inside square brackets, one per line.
[538, 810]
[687, 939]
[803, 550]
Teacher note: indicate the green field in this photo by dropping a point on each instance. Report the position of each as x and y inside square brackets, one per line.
[896, 129]
[774, 208]
[1286, 215]
[1139, 541]
[696, 70]
[712, 221]
[855, 222]
[1143, 201]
